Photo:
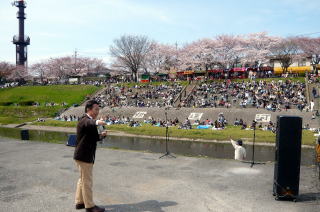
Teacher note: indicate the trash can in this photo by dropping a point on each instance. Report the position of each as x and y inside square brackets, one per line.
[24, 134]
[72, 140]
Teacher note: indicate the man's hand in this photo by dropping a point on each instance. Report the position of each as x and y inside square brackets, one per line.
[101, 122]
[104, 134]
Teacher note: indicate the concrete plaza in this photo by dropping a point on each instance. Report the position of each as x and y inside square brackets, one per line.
[36, 176]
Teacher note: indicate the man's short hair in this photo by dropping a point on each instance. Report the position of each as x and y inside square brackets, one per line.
[239, 142]
[90, 104]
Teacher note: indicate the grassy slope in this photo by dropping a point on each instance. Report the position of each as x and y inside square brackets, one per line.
[70, 94]
[55, 93]
[12, 114]
[234, 132]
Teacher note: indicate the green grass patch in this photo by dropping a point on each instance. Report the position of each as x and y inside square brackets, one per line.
[20, 114]
[26, 95]
[55, 123]
[35, 135]
[207, 134]
[71, 94]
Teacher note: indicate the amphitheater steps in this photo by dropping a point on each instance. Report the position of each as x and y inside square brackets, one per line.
[101, 91]
[185, 93]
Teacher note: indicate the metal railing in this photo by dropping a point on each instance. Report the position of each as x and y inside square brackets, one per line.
[21, 15]
[17, 39]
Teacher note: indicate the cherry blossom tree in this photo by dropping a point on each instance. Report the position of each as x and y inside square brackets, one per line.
[180, 58]
[310, 47]
[92, 66]
[6, 70]
[200, 54]
[40, 69]
[58, 67]
[257, 48]
[63, 67]
[19, 73]
[160, 57]
[228, 51]
[286, 51]
[12, 72]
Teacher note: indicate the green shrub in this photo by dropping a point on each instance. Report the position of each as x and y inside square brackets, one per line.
[26, 103]
[6, 103]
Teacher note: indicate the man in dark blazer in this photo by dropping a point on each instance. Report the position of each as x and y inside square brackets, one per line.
[84, 155]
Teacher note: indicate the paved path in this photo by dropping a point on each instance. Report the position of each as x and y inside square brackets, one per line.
[37, 176]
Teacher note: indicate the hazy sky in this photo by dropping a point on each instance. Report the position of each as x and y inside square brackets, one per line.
[58, 27]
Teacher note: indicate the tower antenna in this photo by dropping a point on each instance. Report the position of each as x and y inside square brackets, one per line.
[21, 41]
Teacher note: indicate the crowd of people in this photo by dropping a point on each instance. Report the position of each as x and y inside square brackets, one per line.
[67, 118]
[313, 78]
[139, 96]
[215, 124]
[9, 85]
[271, 95]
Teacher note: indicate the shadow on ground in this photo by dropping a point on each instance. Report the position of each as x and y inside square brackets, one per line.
[150, 205]
[309, 197]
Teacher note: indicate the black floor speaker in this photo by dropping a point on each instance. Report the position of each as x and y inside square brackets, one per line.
[287, 158]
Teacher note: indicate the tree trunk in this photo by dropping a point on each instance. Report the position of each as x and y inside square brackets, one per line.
[207, 73]
[315, 69]
[284, 69]
[135, 77]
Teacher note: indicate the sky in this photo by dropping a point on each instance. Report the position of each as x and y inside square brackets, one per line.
[59, 27]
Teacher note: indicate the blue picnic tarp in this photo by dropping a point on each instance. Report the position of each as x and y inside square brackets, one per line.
[204, 126]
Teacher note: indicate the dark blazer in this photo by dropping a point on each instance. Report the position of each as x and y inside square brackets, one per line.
[87, 137]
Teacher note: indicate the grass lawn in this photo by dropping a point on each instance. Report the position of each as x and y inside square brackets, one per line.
[35, 135]
[71, 94]
[207, 134]
[20, 114]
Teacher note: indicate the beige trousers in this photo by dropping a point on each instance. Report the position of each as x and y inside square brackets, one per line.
[84, 185]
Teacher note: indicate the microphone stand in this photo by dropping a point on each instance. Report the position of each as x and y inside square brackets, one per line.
[167, 154]
[253, 145]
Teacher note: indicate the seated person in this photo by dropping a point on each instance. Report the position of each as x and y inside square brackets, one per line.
[236, 122]
[240, 122]
[244, 126]
[306, 127]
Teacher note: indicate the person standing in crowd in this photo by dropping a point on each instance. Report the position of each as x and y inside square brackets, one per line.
[311, 105]
[239, 150]
[314, 92]
[84, 155]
